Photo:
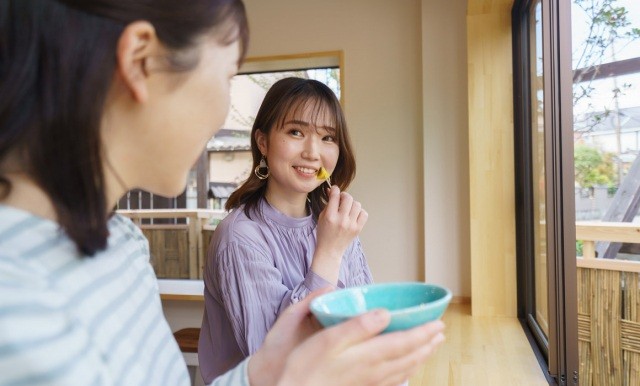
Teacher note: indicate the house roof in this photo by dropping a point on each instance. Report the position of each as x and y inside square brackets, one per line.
[606, 120]
[221, 189]
[230, 140]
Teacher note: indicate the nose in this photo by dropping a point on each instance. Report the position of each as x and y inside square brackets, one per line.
[311, 148]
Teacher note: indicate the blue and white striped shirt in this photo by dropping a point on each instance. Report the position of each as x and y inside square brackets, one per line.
[72, 320]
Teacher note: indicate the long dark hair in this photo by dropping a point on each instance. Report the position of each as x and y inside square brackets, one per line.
[291, 94]
[57, 60]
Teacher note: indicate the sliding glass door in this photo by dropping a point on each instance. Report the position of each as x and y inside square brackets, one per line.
[544, 184]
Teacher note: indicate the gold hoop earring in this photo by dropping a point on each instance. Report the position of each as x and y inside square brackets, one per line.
[262, 170]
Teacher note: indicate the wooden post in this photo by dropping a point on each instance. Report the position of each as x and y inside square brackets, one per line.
[193, 246]
[588, 249]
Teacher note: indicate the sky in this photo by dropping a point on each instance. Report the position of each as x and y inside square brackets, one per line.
[602, 97]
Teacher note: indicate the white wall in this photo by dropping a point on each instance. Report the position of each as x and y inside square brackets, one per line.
[381, 41]
[229, 166]
[446, 145]
[406, 104]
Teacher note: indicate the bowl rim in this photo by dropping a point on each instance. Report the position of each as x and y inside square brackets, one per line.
[315, 308]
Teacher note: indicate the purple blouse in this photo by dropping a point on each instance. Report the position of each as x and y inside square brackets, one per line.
[256, 267]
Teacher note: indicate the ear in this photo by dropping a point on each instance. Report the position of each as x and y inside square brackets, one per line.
[261, 140]
[137, 44]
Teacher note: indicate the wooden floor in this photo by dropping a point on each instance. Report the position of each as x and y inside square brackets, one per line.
[481, 351]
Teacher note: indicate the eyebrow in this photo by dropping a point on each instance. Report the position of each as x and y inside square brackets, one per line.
[307, 124]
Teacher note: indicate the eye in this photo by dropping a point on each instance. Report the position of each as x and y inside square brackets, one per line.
[329, 138]
[295, 132]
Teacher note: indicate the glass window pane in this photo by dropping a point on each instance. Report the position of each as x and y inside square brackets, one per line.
[538, 170]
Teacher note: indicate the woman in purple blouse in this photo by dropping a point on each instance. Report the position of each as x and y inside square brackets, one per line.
[288, 233]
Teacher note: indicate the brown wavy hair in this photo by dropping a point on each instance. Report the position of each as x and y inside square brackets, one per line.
[290, 95]
[57, 60]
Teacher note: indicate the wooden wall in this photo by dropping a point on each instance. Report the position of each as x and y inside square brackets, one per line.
[491, 159]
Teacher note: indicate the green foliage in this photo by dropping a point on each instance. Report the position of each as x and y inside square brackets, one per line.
[593, 168]
[579, 247]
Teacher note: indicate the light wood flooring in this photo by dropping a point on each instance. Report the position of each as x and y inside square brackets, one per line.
[481, 351]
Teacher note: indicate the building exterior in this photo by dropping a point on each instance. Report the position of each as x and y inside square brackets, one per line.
[229, 163]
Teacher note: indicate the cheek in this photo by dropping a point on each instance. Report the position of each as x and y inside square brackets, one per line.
[218, 106]
[331, 157]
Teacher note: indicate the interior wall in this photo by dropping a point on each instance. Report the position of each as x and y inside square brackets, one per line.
[381, 41]
[446, 145]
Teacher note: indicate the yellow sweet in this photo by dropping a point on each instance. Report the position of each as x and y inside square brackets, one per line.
[323, 174]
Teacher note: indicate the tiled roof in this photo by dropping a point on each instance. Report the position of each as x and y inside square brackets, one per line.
[629, 119]
[230, 140]
[221, 189]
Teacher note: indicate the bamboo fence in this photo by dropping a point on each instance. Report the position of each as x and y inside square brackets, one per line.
[178, 251]
[608, 309]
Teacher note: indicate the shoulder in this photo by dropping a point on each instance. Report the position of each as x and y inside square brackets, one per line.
[237, 227]
[123, 230]
[124, 225]
[40, 332]
[239, 239]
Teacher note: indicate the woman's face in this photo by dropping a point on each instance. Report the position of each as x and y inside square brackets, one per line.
[296, 152]
[183, 111]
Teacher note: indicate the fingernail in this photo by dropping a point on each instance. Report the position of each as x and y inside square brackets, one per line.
[378, 319]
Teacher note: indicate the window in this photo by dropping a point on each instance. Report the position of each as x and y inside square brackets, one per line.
[606, 115]
[545, 218]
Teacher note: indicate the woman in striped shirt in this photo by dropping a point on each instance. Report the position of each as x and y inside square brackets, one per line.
[98, 97]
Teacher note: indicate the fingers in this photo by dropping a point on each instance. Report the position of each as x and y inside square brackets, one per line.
[395, 357]
[349, 211]
[356, 330]
[363, 216]
[356, 208]
[334, 200]
[399, 370]
[346, 202]
[398, 344]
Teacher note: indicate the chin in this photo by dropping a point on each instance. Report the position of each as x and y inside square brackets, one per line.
[168, 190]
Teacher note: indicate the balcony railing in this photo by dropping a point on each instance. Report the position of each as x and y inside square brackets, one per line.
[168, 242]
[608, 308]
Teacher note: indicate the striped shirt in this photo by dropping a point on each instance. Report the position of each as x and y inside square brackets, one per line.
[72, 320]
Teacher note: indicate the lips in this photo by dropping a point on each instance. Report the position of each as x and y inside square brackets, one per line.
[304, 170]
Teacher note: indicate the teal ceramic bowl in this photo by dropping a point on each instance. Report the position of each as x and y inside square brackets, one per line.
[410, 304]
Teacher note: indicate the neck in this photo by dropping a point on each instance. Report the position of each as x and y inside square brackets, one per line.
[292, 206]
[25, 194]
[115, 186]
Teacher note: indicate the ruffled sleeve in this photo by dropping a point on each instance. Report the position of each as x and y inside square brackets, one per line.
[357, 270]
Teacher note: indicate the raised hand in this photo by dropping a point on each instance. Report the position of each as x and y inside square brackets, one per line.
[339, 223]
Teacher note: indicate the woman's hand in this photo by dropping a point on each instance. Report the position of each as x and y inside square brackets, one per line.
[351, 353]
[339, 223]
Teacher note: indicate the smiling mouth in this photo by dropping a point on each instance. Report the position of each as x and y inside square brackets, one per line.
[306, 170]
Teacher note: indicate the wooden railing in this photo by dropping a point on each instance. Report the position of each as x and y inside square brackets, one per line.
[169, 242]
[608, 308]
[591, 231]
